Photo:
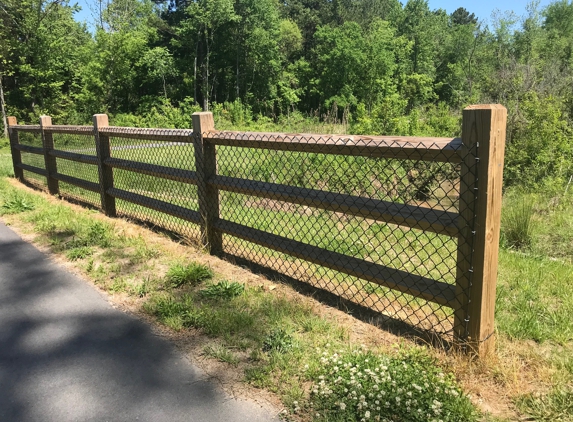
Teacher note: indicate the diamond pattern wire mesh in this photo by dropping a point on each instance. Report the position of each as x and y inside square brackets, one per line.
[32, 139]
[84, 144]
[174, 157]
[372, 220]
[343, 209]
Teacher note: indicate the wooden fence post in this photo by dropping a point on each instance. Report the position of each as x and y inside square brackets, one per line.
[483, 137]
[105, 172]
[16, 154]
[206, 167]
[49, 160]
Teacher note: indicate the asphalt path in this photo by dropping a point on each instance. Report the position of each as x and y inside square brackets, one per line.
[67, 355]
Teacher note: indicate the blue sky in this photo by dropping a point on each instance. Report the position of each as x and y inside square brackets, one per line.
[481, 8]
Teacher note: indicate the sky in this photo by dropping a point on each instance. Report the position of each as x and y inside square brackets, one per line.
[482, 8]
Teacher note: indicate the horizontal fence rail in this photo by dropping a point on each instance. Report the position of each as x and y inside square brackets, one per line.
[406, 226]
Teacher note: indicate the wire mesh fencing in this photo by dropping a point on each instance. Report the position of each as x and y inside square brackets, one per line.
[408, 227]
[154, 178]
[370, 220]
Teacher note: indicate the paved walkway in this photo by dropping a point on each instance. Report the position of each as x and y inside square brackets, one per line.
[67, 355]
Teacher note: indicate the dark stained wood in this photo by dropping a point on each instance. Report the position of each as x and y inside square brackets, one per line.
[29, 128]
[157, 205]
[426, 149]
[431, 290]
[72, 156]
[29, 149]
[483, 130]
[16, 155]
[51, 163]
[105, 173]
[71, 130]
[170, 173]
[84, 184]
[172, 135]
[428, 219]
[32, 169]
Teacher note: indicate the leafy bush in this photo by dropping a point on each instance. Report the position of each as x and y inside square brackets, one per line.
[362, 386]
[223, 290]
[193, 273]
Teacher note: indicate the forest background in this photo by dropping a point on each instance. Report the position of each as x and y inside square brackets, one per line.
[354, 66]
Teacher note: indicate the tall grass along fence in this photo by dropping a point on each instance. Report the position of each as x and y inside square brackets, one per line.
[406, 226]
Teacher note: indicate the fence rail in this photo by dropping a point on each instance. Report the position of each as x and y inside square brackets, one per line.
[403, 225]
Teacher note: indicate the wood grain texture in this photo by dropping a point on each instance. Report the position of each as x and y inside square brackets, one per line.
[436, 221]
[70, 130]
[73, 156]
[33, 169]
[14, 141]
[169, 173]
[426, 288]
[157, 205]
[398, 147]
[206, 165]
[50, 160]
[105, 173]
[169, 135]
[84, 184]
[29, 149]
[483, 133]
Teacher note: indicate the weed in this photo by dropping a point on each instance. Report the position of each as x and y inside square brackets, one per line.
[119, 285]
[556, 405]
[517, 224]
[221, 353]
[15, 204]
[142, 289]
[223, 290]
[278, 340]
[79, 253]
[192, 274]
[90, 266]
[360, 385]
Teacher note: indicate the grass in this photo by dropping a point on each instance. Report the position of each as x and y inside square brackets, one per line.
[223, 290]
[534, 366]
[193, 273]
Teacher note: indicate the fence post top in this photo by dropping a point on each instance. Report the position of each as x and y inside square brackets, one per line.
[45, 120]
[485, 107]
[12, 121]
[202, 113]
[100, 120]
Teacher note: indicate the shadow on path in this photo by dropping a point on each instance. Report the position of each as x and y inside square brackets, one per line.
[67, 355]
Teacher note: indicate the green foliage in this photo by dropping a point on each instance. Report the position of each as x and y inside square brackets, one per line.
[557, 405]
[517, 223]
[361, 386]
[278, 340]
[193, 273]
[221, 353]
[81, 252]
[15, 204]
[223, 290]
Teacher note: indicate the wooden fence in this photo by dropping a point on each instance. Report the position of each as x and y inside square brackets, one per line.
[478, 156]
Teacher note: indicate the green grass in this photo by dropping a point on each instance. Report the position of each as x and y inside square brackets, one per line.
[193, 273]
[535, 286]
[223, 290]
[557, 405]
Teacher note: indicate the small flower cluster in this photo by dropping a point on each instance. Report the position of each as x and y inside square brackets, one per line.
[362, 386]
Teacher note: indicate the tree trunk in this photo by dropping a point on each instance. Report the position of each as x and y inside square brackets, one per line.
[3, 107]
